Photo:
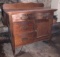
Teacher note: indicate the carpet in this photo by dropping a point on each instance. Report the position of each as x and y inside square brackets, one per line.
[37, 49]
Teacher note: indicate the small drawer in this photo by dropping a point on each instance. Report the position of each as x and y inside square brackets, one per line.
[42, 15]
[23, 27]
[22, 16]
[25, 38]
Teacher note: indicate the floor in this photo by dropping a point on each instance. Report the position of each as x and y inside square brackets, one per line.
[37, 49]
[1, 51]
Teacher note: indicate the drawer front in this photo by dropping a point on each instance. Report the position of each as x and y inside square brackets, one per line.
[22, 16]
[39, 15]
[24, 38]
[23, 27]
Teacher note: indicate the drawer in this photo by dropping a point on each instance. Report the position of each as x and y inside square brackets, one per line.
[23, 27]
[42, 15]
[25, 38]
[22, 16]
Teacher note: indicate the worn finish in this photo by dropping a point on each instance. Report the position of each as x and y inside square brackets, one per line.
[18, 6]
[29, 25]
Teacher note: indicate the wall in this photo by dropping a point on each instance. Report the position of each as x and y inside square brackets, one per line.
[58, 12]
[47, 3]
[3, 1]
[55, 4]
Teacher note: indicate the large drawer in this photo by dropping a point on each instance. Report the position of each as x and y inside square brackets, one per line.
[24, 38]
[23, 27]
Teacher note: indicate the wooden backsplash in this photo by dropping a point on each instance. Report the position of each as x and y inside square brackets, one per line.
[47, 3]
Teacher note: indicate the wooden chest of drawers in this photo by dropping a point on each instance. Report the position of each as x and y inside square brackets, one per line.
[29, 25]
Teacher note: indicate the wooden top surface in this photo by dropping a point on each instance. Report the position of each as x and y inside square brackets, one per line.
[31, 10]
[26, 7]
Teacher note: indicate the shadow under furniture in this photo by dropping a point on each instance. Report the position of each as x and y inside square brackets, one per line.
[56, 29]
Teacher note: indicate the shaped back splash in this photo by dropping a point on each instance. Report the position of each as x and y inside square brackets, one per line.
[47, 3]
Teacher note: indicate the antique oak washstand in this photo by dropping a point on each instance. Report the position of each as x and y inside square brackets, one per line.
[27, 25]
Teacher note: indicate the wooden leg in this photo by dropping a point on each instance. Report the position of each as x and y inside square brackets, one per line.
[13, 52]
[20, 53]
[13, 49]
